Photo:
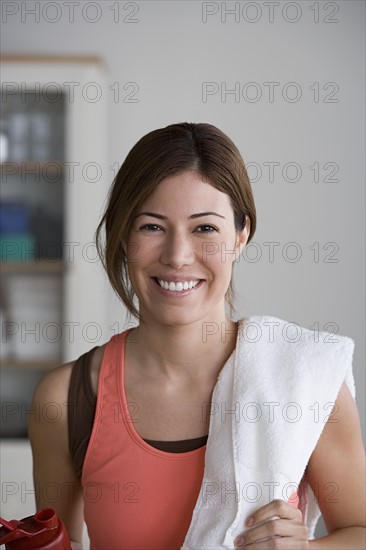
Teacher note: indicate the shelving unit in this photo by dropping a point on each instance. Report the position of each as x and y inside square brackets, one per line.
[47, 126]
[39, 266]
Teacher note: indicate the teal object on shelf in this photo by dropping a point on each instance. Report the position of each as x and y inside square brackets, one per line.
[17, 247]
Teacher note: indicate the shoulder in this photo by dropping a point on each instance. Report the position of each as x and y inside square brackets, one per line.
[281, 349]
[48, 423]
[49, 406]
[54, 386]
[269, 329]
[279, 324]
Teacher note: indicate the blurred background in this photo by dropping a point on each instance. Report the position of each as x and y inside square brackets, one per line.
[83, 81]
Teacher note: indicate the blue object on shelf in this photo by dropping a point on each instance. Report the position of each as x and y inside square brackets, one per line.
[14, 217]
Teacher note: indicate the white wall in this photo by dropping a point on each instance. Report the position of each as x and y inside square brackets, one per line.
[169, 52]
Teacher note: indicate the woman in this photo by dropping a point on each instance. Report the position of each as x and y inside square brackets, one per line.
[179, 213]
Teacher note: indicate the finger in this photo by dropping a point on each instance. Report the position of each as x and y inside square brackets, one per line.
[276, 507]
[271, 528]
[277, 543]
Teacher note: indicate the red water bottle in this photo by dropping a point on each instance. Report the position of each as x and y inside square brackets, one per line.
[43, 531]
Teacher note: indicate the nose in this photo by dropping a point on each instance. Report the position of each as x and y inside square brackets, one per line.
[178, 250]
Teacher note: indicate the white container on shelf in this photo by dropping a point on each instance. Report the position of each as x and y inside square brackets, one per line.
[6, 345]
[38, 291]
[19, 136]
[4, 147]
[36, 333]
[35, 303]
[41, 136]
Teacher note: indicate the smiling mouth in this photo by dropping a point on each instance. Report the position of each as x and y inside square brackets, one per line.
[179, 286]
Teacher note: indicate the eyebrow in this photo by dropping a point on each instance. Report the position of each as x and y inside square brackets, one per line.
[198, 215]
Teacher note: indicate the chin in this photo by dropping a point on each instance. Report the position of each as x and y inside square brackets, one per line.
[172, 318]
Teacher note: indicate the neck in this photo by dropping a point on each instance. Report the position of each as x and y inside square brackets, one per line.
[184, 353]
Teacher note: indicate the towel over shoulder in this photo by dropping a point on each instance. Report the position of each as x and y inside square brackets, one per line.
[269, 407]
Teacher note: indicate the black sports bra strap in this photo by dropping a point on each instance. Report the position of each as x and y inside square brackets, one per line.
[81, 409]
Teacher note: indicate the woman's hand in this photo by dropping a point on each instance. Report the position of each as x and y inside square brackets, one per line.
[287, 532]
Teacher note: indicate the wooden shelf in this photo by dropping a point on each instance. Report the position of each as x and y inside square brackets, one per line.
[28, 364]
[41, 266]
[24, 167]
[39, 58]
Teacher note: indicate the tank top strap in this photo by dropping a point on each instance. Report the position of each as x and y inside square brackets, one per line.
[109, 410]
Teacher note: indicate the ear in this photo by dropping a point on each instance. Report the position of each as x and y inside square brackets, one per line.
[242, 238]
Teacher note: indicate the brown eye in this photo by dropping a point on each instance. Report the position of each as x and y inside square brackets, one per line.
[150, 227]
[206, 228]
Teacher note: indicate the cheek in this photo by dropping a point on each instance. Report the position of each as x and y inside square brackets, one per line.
[139, 252]
[219, 267]
[132, 255]
[219, 254]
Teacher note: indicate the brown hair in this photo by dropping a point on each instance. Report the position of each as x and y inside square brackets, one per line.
[165, 152]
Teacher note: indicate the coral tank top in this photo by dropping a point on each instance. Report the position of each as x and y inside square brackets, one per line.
[136, 497]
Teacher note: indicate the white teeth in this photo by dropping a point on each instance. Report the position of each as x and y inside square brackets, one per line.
[179, 286]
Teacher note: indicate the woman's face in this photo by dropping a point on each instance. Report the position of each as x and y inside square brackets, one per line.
[181, 249]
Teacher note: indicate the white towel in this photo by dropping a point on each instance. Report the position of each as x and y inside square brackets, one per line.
[269, 407]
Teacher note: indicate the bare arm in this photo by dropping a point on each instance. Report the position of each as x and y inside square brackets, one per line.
[56, 484]
[336, 473]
